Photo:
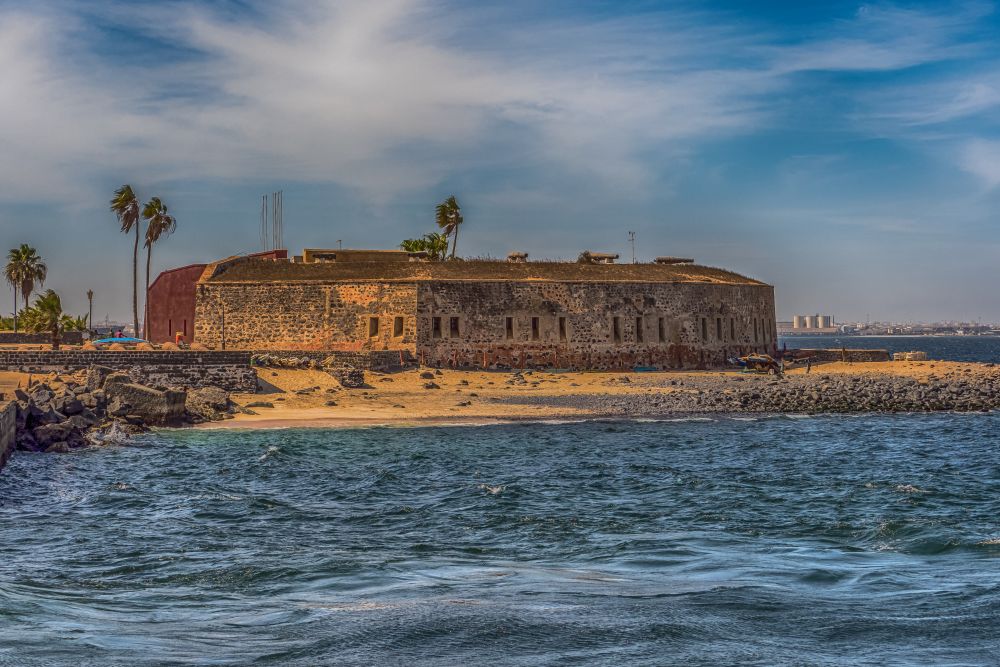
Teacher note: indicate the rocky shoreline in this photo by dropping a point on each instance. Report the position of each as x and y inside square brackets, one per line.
[802, 394]
[61, 413]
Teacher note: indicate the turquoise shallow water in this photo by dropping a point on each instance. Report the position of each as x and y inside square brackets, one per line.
[831, 540]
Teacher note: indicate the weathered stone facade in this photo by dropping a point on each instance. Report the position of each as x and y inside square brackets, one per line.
[490, 314]
[592, 325]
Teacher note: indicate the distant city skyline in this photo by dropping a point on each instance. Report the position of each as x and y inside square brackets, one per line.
[847, 153]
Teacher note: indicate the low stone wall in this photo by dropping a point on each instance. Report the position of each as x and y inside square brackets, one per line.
[850, 356]
[229, 370]
[11, 338]
[8, 412]
[378, 360]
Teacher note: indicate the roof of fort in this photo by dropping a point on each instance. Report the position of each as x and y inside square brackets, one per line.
[257, 270]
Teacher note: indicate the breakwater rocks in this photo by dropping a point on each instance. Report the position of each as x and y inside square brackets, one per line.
[63, 413]
[808, 394]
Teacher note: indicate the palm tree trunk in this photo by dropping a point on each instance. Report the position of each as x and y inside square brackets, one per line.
[15, 307]
[454, 242]
[135, 282]
[145, 310]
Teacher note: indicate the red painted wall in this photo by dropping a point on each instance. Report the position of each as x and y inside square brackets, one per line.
[170, 303]
[170, 300]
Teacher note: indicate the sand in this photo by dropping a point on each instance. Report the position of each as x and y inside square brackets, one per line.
[300, 397]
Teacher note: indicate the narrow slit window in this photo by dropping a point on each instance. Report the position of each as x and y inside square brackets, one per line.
[616, 329]
[704, 329]
[372, 327]
[453, 328]
[718, 328]
[397, 327]
[185, 328]
[562, 328]
[661, 328]
[732, 329]
[170, 329]
[638, 330]
[436, 327]
[510, 328]
[535, 332]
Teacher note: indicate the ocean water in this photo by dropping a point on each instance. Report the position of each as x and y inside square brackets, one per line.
[947, 348]
[865, 540]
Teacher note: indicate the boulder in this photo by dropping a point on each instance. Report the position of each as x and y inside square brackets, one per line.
[154, 406]
[47, 434]
[208, 403]
[96, 376]
[114, 379]
[349, 378]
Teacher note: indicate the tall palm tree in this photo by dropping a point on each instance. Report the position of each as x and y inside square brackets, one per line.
[159, 223]
[23, 268]
[125, 206]
[449, 218]
[47, 316]
[90, 309]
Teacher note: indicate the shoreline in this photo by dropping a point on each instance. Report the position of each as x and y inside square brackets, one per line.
[299, 398]
[340, 423]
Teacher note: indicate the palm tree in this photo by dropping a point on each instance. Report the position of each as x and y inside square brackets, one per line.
[125, 206]
[47, 316]
[90, 309]
[23, 268]
[434, 244]
[449, 217]
[159, 223]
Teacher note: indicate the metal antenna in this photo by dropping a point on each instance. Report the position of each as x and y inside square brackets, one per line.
[631, 238]
[264, 234]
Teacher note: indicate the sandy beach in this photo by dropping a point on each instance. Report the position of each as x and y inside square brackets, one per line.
[311, 398]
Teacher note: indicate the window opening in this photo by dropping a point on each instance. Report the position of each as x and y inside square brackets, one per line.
[534, 328]
[562, 328]
[510, 327]
[638, 330]
[436, 327]
[372, 327]
[397, 327]
[616, 329]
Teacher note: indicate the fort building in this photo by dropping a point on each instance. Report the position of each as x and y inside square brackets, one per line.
[592, 314]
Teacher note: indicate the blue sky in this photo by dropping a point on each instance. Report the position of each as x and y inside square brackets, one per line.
[848, 153]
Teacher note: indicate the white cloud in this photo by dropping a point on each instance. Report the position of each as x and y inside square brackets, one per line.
[981, 158]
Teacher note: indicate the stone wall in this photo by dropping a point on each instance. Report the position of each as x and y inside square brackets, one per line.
[11, 338]
[850, 356]
[377, 360]
[307, 316]
[8, 412]
[592, 325]
[496, 323]
[189, 368]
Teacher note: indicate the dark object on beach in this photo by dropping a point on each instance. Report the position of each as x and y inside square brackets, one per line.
[349, 378]
[431, 385]
[259, 404]
[427, 375]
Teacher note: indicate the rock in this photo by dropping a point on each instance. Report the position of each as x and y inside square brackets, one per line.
[431, 385]
[349, 378]
[49, 433]
[95, 377]
[72, 407]
[259, 404]
[155, 407]
[330, 404]
[208, 403]
[113, 379]
[57, 448]
[427, 375]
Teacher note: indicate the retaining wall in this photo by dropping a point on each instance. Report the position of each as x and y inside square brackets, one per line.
[229, 370]
[850, 356]
[8, 411]
[379, 360]
[11, 338]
